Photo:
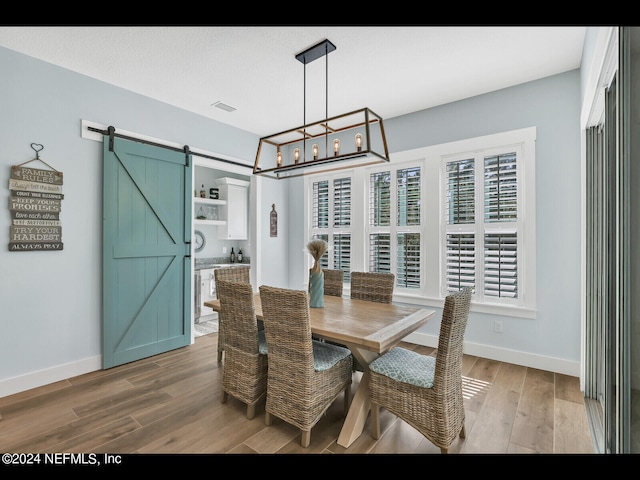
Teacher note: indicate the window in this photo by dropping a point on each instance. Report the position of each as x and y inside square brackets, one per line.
[395, 224]
[482, 224]
[440, 218]
[332, 222]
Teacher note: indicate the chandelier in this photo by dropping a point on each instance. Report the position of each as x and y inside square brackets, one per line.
[344, 141]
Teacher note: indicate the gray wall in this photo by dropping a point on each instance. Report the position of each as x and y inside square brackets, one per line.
[51, 301]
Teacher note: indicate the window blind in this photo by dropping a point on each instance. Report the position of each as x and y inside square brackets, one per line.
[500, 265]
[342, 254]
[408, 182]
[380, 252]
[500, 188]
[460, 262]
[460, 201]
[380, 199]
[321, 204]
[342, 202]
[408, 269]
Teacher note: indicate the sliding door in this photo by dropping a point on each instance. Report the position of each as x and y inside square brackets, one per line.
[612, 353]
[146, 250]
[630, 333]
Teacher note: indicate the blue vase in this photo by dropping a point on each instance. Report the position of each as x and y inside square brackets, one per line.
[316, 289]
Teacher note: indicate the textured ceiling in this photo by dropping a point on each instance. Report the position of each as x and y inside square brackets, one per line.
[393, 70]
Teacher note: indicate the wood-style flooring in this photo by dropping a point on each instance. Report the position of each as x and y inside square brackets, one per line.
[171, 404]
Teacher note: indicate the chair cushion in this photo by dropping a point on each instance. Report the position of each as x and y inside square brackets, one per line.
[262, 343]
[326, 355]
[406, 366]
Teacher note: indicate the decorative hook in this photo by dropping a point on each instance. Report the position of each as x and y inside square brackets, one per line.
[37, 148]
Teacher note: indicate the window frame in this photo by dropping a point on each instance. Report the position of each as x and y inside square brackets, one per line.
[480, 227]
[433, 197]
[393, 229]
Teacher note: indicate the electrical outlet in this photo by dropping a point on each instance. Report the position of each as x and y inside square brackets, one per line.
[224, 249]
[497, 326]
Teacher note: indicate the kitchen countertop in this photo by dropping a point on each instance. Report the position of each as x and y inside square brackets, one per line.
[203, 263]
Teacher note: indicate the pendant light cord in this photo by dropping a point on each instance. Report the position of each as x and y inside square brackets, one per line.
[326, 99]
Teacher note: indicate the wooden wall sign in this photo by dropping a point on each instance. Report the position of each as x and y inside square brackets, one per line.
[273, 221]
[35, 204]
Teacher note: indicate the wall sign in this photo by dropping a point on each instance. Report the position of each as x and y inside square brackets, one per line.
[273, 221]
[35, 204]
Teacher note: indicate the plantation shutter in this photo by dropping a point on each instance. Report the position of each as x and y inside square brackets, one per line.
[500, 265]
[460, 248]
[380, 252]
[324, 260]
[500, 206]
[408, 196]
[342, 254]
[500, 188]
[408, 271]
[342, 202]
[460, 206]
[321, 204]
[380, 199]
[460, 262]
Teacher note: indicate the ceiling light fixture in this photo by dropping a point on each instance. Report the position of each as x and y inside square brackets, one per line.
[345, 141]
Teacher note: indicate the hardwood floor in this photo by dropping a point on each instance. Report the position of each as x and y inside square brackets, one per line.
[170, 403]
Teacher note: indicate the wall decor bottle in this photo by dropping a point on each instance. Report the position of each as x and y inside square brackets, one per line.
[233, 256]
[240, 256]
[203, 192]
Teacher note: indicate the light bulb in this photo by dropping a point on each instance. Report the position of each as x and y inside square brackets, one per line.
[296, 155]
[336, 146]
[279, 158]
[315, 151]
[359, 141]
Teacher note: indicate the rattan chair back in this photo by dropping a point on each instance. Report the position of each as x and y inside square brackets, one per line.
[244, 374]
[333, 282]
[372, 286]
[296, 392]
[230, 274]
[436, 411]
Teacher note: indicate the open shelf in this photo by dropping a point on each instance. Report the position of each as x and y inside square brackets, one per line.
[209, 201]
[209, 222]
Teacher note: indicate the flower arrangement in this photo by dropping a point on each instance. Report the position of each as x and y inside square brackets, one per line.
[316, 248]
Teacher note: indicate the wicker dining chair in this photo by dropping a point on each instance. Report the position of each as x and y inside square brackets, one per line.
[422, 390]
[244, 374]
[372, 286]
[333, 282]
[305, 376]
[230, 274]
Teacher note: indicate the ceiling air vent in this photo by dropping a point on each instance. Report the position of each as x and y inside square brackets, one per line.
[224, 106]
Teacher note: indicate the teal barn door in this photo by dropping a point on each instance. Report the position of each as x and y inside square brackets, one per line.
[146, 250]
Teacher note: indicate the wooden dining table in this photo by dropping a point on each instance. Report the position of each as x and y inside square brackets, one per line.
[368, 329]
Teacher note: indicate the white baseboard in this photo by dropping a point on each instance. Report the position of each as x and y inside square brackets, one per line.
[50, 375]
[556, 365]
[62, 372]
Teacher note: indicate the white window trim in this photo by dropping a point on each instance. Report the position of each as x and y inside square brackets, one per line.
[480, 228]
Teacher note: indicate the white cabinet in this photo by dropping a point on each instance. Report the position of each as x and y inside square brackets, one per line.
[235, 193]
[207, 292]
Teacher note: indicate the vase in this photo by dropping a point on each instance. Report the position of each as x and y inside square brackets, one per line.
[316, 289]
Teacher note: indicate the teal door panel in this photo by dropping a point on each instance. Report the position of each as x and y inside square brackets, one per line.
[146, 248]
